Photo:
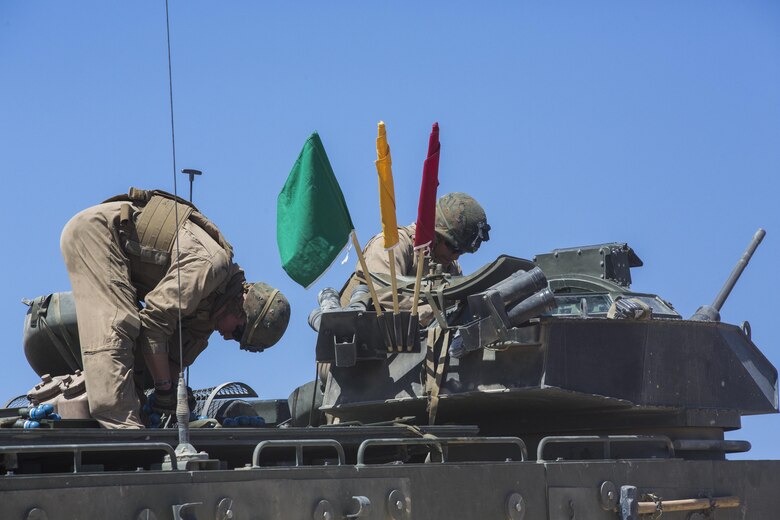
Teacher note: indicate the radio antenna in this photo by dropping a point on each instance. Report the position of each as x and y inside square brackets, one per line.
[185, 452]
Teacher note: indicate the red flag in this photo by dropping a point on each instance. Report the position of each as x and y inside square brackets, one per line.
[426, 209]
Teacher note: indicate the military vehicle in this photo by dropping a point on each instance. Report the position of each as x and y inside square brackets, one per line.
[543, 389]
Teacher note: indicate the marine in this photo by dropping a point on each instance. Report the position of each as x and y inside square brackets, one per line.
[461, 227]
[140, 265]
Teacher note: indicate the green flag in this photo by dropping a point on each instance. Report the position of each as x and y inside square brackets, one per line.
[312, 219]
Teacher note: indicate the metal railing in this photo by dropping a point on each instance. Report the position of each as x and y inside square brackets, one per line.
[298, 445]
[605, 440]
[79, 449]
[442, 444]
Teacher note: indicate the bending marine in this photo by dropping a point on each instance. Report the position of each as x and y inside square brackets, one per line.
[139, 264]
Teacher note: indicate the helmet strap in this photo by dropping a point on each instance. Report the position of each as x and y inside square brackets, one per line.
[262, 314]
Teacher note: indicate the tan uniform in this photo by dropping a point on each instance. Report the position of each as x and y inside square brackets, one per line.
[108, 286]
[377, 261]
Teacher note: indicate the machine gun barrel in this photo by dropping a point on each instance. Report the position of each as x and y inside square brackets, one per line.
[737, 272]
[712, 312]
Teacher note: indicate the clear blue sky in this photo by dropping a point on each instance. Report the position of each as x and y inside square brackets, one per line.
[654, 123]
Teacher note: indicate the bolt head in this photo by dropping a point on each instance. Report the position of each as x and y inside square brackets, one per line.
[327, 515]
[399, 505]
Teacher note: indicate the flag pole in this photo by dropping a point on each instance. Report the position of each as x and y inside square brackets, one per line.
[414, 320]
[418, 281]
[372, 290]
[393, 281]
[363, 266]
[394, 285]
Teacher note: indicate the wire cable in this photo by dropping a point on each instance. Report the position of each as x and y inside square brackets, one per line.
[182, 407]
[175, 187]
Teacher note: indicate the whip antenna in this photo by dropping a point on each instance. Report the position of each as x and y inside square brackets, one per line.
[185, 452]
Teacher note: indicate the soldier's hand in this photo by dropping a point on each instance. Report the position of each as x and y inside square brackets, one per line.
[163, 401]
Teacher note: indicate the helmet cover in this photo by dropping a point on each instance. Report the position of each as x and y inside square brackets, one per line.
[267, 315]
[461, 221]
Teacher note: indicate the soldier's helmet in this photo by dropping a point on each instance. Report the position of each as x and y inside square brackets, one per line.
[461, 222]
[267, 315]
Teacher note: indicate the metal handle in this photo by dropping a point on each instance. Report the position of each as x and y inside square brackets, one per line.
[78, 449]
[298, 445]
[630, 508]
[606, 440]
[442, 444]
[688, 504]
[363, 507]
[711, 445]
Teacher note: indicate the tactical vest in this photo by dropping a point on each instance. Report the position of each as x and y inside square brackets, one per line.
[148, 235]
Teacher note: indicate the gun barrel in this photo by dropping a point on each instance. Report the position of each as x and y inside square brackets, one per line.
[720, 299]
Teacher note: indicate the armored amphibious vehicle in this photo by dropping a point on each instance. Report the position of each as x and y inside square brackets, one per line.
[539, 389]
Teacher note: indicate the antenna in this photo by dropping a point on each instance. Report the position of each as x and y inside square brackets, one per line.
[185, 452]
[192, 174]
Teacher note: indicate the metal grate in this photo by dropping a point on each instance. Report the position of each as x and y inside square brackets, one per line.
[18, 402]
[210, 399]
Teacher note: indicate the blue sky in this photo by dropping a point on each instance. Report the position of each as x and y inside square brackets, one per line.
[653, 123]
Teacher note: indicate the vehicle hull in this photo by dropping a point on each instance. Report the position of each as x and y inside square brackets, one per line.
[551, 490]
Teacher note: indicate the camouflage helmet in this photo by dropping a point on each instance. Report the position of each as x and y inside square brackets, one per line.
[461, 222]
[267, 314]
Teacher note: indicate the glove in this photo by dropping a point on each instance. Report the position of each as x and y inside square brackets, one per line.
[630, 309]
[163, 401]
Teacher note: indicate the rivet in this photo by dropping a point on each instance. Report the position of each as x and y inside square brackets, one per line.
[146, 514]
[37, 514]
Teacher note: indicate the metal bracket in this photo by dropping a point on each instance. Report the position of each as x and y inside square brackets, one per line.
[348, 337]
[629, 504]
[225, 509]
[345, 352]
[363, 507]
[398, 505]
[608, 496]
[36, 514]
[185, 511]
[515, 507]
[324, 511]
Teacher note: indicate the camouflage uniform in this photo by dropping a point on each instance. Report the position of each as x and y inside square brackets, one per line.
[378, 262]
[108, 286]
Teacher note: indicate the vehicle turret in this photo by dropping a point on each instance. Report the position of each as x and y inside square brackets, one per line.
[596, 358]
